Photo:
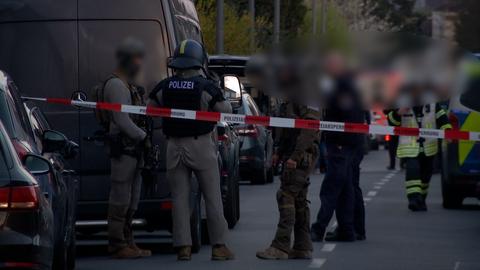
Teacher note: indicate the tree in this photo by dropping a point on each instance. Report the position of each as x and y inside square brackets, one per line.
[237, 27]
[382, 15]
[468, 26]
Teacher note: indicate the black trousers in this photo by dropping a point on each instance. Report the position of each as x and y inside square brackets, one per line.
[359, 206]
[337, 193]
[419, 171]
[392, 150]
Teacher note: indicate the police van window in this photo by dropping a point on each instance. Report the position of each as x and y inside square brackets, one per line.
[99, 41]
[17, 105]
[253, 107]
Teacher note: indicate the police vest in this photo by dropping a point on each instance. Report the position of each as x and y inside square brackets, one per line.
[409, 146]
[184, 94]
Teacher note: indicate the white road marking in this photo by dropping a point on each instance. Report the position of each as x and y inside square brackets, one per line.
[372, 193]
[380, 183]
[317, 263]
[388, 176]
[385, 180]
[328, 247]
[377, 187]
[367, 199]
[457, 266]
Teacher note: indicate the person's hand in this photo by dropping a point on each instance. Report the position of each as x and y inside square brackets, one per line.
[291, 164]
[147, 144]
[275, 159]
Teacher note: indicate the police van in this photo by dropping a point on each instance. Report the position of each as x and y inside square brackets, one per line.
[461, 159]
[63, 48]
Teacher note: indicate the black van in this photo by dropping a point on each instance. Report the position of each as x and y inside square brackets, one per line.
[62, 48]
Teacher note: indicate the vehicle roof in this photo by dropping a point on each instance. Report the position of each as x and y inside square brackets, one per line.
[228, 60]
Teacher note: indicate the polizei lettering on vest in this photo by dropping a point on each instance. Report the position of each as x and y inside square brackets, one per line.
[181, 85]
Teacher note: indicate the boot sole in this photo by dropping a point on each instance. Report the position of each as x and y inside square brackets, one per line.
[216, 258]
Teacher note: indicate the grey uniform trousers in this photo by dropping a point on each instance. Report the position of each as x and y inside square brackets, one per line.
[184, 156]
[125, 190]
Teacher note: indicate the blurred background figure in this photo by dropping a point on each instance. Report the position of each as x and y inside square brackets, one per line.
[340, 191]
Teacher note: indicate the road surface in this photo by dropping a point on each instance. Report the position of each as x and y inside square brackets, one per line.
[397, 239]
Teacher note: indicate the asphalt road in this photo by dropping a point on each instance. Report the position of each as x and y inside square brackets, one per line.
[396, 238]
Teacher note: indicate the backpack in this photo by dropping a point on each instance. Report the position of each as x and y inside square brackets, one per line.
[98, 90]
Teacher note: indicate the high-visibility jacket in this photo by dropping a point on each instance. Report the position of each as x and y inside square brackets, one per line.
[430, 116]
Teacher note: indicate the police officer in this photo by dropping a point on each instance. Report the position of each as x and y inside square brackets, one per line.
[418, 153]
[127, 138]
[191, 147]
[298, 148]
[340, 191]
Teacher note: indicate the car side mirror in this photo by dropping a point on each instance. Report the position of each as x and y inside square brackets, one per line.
[232, 87]
[37, 165]
[53, 141]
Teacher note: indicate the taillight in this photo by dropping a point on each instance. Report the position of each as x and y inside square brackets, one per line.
[167, 205]
[250, 131]
[21, 149]
[23, 197]
[387, 137]
[453, 120]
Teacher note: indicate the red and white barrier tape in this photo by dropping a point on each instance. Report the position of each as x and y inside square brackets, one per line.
[268, 121]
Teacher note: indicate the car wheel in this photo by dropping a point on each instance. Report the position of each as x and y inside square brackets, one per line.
[451, 198]
[196, 227]
[270, 175]
[259, 177]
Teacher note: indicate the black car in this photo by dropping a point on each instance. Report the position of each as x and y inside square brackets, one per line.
[229, 148]
[256, 148]
[30, 135]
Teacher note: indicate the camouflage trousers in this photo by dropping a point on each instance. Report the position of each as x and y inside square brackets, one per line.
[294, 211]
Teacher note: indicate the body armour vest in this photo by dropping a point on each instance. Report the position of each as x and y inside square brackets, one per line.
[179, 93]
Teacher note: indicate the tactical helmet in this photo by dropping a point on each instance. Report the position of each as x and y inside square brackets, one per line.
[188, 55]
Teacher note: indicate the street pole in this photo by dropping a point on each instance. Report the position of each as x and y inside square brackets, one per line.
[314, 17]
[276, 22]
[251, 8]
[324, 16]
[219, 29]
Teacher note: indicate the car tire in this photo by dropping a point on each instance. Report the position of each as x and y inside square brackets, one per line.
[451, 198]
[270, 175]
[259, 176]
[196, 226]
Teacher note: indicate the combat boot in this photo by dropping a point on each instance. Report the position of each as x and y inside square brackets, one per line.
[142, 252]
[272, 253]
[126, 253]
[415, 203]
[300, 254]
[222, 253]
[184, 253]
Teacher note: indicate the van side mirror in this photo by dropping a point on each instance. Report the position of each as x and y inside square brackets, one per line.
[37, 165]
[53, 141]
[232, 87]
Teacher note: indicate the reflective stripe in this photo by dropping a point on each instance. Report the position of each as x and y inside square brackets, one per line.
[414, 190]
[182, 46]
[411, 183]
[440, 113]
[446, 126]
[392, 119]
